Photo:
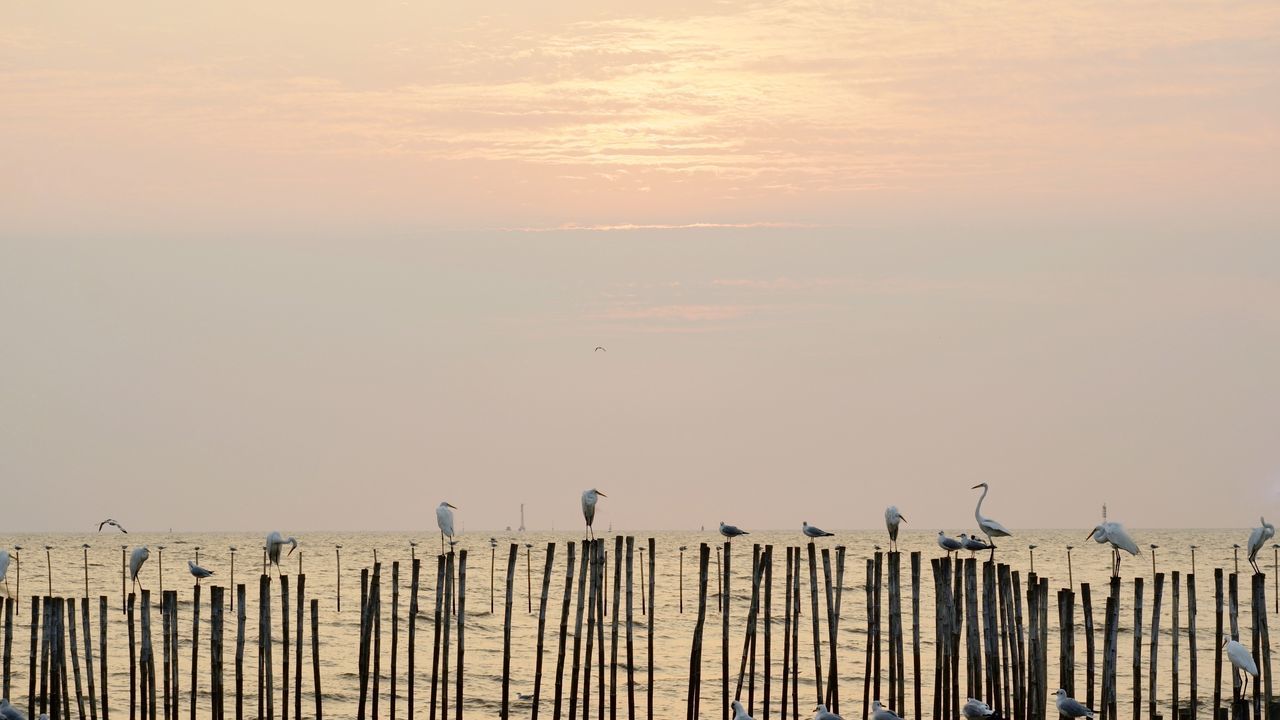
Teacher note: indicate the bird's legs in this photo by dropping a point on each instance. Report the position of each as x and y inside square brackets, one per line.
[441, 542]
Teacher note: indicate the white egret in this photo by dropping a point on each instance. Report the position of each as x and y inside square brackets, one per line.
[739, 713]
[731, 531]
[975, 709]
[949, 544]
[891, 519]
[4, 570]
[1070, 707]
[9, 712]
[275, 543]
[814, 532]
[198, 572]
[1257, 539]
[822, 713]
[989, 527]
[1113, 532]
[880, 712]
[1240, 659]
[444, 518]
[973, 544]
[112, 523]
[589, 498]
[136, 559]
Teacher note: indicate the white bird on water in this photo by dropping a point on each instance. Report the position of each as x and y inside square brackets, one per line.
[589, 498]
[275, 542]
[136, 558]
[198, 572]
[880, 712]
[822, 713]
[1113, 532]
[989, 527]
[973, 544]
[949, 544]
[814, 532]
[739, 713]
[1241, 659]
[975, 709]
[1070, 707]
[891, 519]
[9, 712]
[731, 531]
[1257, 539]
[444, 518]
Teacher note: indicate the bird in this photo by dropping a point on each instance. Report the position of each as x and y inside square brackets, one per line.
[112, 523]
[444, 518]
[1113, 532]
[601, 348]
[4, 570]
[198, 572]
[589, 498]
[739, 713]
[1241, 659]
[891, 519]
[275, 542]
[822, 713]
[1257, 539]
[975, 709]
[814, 532]
[880, 712]
[949, 544]
[731, 531]
[1070, 707]
[989, 527]
[136, 558]
[9, 712]
[973, 544]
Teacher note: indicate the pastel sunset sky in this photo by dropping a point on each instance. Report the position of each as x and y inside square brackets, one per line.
[320, 265]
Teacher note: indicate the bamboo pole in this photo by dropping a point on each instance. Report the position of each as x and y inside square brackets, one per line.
[297, 667]
[542, 626]
[315, 659]
[1217, 643]
[506, 632]
[817, 642]
[726, 600]
[435, 642]
[217, 697]
[566, 599]
[613, 638]
[131, 613]
[411, 682]
[1191, 641]
[8, 646]
[786, 634]
[1175, 636]
[630, 639]
[695, 652]
[768, 627]
[195, 648]
[653, 611]
[588, 550]
[395, 634]
[241, 618]
[88, 658]
[461, 619]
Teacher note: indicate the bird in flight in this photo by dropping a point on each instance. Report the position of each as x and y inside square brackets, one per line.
[601, 348]
[112, 523]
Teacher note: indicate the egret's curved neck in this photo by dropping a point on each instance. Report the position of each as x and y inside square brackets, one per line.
[977, 512]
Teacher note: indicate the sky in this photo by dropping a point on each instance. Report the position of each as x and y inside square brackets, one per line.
[323, 265]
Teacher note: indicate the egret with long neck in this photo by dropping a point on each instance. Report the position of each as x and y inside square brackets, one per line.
[989, 527]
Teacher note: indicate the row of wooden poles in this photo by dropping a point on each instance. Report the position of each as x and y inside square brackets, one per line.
[984, 624]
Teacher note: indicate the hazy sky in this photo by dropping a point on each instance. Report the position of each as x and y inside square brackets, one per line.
[321, 265]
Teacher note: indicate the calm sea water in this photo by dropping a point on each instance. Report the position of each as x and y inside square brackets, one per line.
[673, 633]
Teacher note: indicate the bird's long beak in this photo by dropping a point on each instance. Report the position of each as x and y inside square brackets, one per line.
[455, 507]
[601, 494]
[903, 518]
[291, 549]
[975, 487]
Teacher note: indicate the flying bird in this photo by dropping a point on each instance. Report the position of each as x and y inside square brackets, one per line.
[444, 518]
[989, 527]
[589, 498]
[975, 709]
[949, 544]
[601, 348]
[731, 531]
[198, 572]
[891, 519]
[814, 532]
[739, 713]
[136, 559]
[112, 523]
[822, 713]
[1070, 707]
[880, 712]
[275, 543]
[1114, 533]
[1241, 659]
[1259, 538]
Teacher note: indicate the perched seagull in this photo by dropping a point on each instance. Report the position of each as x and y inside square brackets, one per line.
[9, 712]
[949, 544]
[973, 544]
[444, 518]
[113, 524]
[589, 498]
[880, 712]
[198, 572]
[1070, 707]
[814, 532]
[136, 558]
[989, 527]
[739, 713]
[975, 709]
[601, 348]
[822, 713]
[1257, 539]
[891, 519]
[1240, 660]
[1115, 534]
[276, 542]
[731, 531]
